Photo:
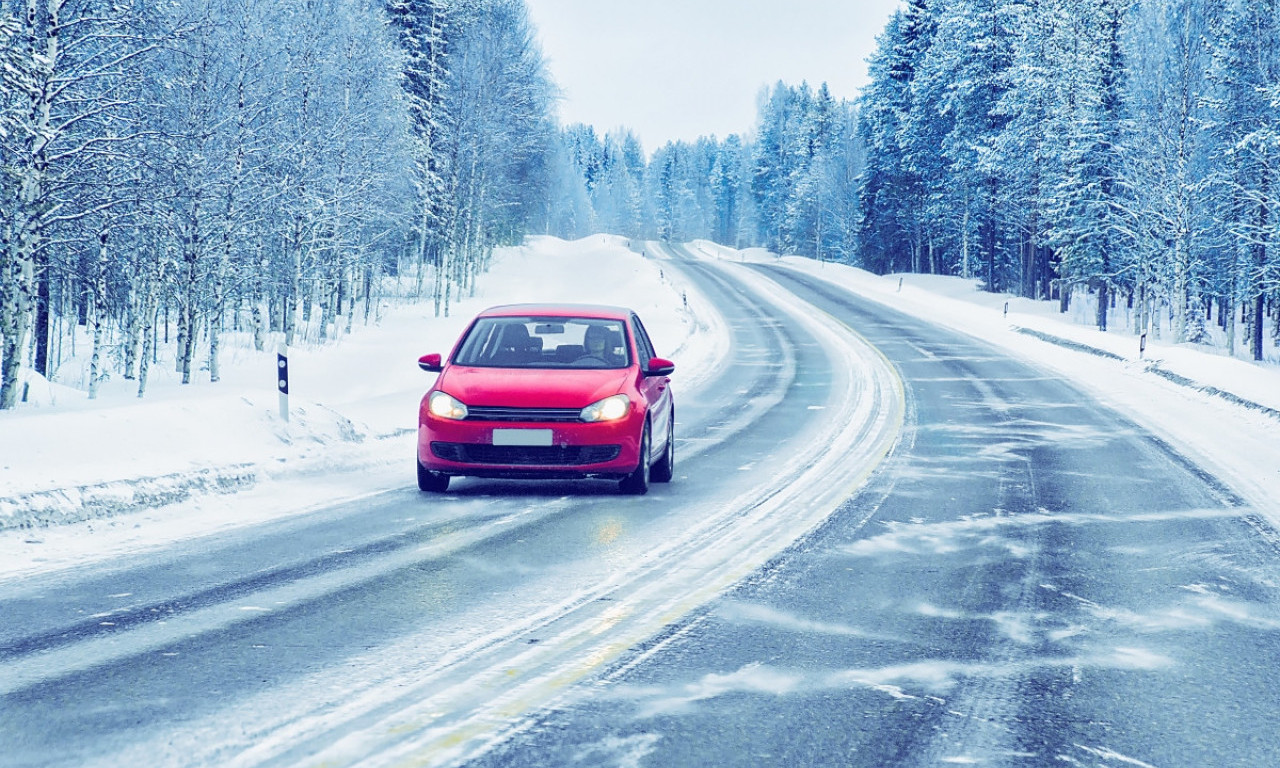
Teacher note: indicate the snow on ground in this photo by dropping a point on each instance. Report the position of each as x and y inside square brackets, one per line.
[1221, 412]
[83, 480]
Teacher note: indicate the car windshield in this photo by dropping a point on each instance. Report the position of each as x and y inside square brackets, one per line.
[544, 342]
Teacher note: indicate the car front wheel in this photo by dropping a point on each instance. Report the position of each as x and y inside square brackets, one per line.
[638, 481]
[665, 469]
[431, 482]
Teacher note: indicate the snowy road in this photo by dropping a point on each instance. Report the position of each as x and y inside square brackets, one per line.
[1027, 579]
[398, 626]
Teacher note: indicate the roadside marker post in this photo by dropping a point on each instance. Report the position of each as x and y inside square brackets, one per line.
[282, 379]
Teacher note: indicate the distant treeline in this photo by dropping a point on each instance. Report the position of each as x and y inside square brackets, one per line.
[171, 172]
[1127, 148]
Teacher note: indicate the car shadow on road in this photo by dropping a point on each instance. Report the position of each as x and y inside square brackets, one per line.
[482, 487]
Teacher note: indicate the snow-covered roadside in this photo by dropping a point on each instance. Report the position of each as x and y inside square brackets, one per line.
[1220, 412]
[136, 473]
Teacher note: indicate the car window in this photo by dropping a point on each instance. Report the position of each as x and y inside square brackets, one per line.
[643, 344]
[544, 342]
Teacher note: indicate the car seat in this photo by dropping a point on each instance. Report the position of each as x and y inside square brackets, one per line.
[515, 346]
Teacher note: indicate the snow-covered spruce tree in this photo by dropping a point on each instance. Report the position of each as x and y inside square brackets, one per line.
[792, 161]
[1246, 113]
[1081, 204]
[570, 213]
[775, 161]
[805, 218]
[930, 219]
[1167, 225]
[618, 196]
[888, 192]
[672, 184]
[728, 184]
[1027, 149]
[965, 74]
[837, 177]
[611, 171]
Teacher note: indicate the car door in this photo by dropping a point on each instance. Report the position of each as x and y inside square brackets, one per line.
[655, 389]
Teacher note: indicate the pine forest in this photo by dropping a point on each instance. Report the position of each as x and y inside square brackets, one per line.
[179, 176]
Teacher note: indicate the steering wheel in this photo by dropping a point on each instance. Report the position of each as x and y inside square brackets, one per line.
[590, 360]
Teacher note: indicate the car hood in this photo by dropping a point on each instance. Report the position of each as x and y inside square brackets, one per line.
[518, 388]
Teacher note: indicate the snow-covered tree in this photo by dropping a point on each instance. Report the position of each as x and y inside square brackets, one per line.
[1169, 230]
[903, 146]
[172, 172]
[420, 26]
[1246, 113]
[498, 139]
[68, 92]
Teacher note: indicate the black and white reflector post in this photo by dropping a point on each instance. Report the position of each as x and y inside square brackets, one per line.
[282, 379]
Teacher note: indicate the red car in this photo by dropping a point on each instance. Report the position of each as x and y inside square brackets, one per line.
[549, 391]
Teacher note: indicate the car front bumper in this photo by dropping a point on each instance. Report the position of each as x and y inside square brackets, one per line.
[575, 450]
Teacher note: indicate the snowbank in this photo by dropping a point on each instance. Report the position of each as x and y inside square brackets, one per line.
[1221, 412]
[82, 464]
[353, 403]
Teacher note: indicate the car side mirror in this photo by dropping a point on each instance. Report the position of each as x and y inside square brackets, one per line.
[659, 367]
[431, 362]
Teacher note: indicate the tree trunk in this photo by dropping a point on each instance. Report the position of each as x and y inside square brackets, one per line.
[148, 322]
[218, 314]
[20, 244]
[41, 332]
[290, 311]
[259, 330]
[181, 339]
[98, 309]
[15, 300]
[95, 327]
[1104, 300]
[133, 339]
[1259, 312]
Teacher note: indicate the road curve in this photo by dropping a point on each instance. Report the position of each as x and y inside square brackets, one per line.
[1030, 579]
[400, 627]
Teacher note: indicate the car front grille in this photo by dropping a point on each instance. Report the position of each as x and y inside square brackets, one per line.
[523, 455]
[499, 413]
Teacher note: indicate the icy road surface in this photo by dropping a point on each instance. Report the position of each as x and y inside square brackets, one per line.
[1030, 579]
[424, 627]
[915, 551]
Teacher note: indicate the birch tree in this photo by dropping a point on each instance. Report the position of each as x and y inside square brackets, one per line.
[498, 138]
[77, 58]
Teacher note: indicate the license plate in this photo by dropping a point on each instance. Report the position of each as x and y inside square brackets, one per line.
[538, 437]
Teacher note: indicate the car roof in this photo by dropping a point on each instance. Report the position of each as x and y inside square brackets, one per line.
[594, 311]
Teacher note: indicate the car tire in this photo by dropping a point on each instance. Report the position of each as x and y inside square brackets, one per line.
[431, 482]
[637, 483]
[665, 469]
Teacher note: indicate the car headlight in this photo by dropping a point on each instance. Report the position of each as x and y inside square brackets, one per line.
[446, 406]
[608, 409]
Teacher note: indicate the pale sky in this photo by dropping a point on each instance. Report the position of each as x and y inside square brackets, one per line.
[680, 69]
